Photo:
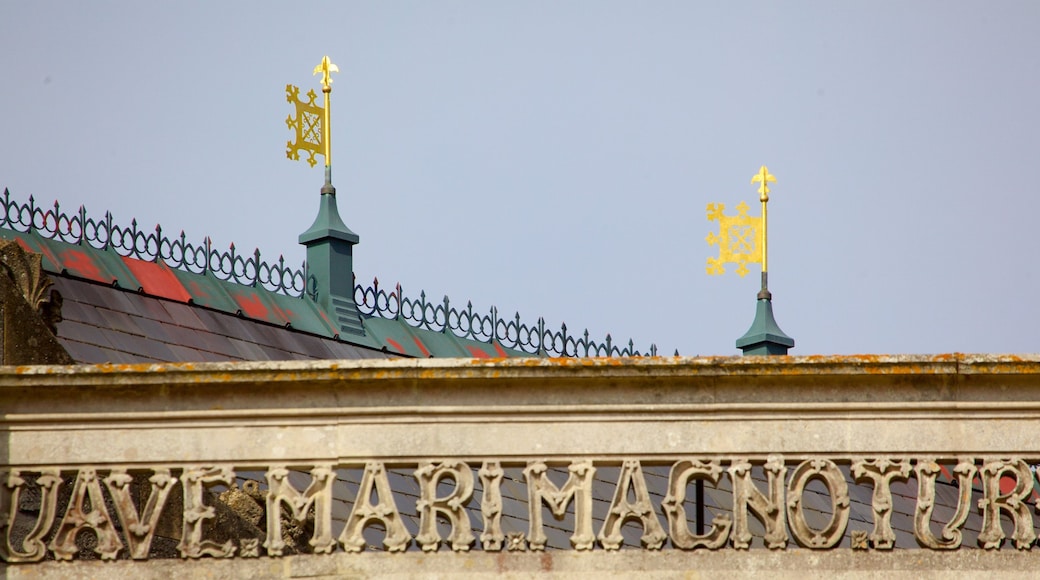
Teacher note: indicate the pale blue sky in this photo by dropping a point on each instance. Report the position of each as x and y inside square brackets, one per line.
[556, 157]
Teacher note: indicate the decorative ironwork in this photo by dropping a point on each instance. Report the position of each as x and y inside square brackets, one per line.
[742, 239]
[737, 239]
[312, 122]
[509, 332]
[307, 125]
[178, 252]
[250, 270]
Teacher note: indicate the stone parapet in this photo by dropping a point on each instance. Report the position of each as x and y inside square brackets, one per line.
[525, 466]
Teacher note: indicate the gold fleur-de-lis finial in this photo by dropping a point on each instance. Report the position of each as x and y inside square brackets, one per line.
[326, 68]
[764, 177]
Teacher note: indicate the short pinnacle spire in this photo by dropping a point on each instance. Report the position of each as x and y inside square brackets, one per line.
[743, 239]
[764, 336]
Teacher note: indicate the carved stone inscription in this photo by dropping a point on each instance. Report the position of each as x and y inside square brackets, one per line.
[806, 501]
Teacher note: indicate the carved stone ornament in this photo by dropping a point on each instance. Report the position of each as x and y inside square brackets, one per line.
[25, 269]
[578, 487]
[622, 510]
[139, 527]
[124, 510]
[194, 480]
[32, 549]
[516, 542]
[1012, 503]
[77, 519]
[681, 474]
[881, 472]
[384, 511]
[491, 506]
[318, 494]
[826, 471]
[927, 470]
[452, 507]
[769, 509]
[249, 548]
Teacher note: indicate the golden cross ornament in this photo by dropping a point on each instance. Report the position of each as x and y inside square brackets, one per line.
[741, 238]
[312, 122]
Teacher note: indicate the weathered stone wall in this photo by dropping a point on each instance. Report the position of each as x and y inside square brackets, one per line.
[439, 448]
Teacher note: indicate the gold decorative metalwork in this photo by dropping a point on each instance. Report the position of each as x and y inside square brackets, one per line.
[742, 238]
[738, 239]
[308, 126]
[312, 122]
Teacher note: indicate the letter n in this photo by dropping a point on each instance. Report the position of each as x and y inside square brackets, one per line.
[769, 509]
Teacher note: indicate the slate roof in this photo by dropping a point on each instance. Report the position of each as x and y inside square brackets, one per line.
[106, 324]
[120, 309]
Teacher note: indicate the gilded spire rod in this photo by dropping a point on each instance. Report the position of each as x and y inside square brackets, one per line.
[326, 68]
[764, 177]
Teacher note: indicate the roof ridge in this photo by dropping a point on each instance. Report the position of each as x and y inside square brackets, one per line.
[252, 271]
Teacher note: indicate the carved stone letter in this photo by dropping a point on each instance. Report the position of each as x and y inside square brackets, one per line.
[681, 474]
[881, 472]
[1012, 503]
[491, 506]
[98, 519]
[578, 487]
[33, 548]
[451, 507]
[139, 529]
[318, 494]
[769, 510]
[827, 472]
[383, 511]
[927, 469]
[194, 480]
[622, 510]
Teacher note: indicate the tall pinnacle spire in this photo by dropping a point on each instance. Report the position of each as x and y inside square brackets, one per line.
[330, 243]
[743, 239]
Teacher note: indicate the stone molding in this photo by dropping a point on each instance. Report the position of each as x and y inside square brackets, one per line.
[836, 421]
[776, 565]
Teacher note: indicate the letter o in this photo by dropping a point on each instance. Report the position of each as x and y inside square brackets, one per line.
[832, 478]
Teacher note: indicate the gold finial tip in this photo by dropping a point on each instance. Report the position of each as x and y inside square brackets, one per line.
[763, 176]
[326, 68]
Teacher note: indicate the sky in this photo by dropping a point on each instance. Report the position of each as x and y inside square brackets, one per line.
[555, 158]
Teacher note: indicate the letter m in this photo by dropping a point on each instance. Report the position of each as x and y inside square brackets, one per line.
[318, 494]
[577, 488]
